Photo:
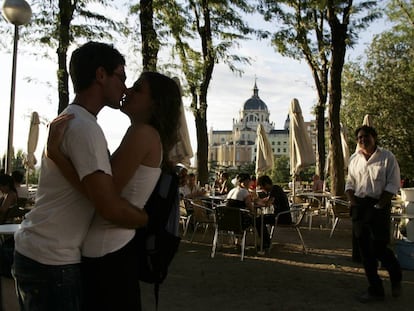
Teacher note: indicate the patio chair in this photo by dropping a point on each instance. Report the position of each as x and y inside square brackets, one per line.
[202, 216]
[229, 222]
[339, 210]
[185, 218]
[297, 212]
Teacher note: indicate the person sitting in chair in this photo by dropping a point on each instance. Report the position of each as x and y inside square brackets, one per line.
[276, 197]
[240, 197]
[10, 196]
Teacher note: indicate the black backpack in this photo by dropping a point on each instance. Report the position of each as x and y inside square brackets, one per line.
[158, 242]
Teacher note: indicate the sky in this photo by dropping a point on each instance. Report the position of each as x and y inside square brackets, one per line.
[279, 80]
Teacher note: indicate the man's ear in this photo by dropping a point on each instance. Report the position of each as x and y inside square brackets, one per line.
[100, 74]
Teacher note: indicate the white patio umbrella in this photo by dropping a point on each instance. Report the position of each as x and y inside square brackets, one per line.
[367, 120]
[301, 151]
[344, 144]
[32, 143]
[182, 152]
[264, 153]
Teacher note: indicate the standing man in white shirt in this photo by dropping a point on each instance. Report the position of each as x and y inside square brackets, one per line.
[48, 244]
[373, 179]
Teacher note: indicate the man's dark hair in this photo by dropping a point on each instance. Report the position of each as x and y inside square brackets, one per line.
[243, 177]
[264, 180]
[17, 176]
[367, 130]
[88, 58]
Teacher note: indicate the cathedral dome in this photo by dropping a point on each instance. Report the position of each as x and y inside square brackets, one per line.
[254, 102]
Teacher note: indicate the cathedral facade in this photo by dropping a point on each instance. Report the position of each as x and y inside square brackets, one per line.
[236, 147]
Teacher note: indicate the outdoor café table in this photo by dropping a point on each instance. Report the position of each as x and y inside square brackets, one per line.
[262, 210]
[6, 229]
[9, 229]
[213, 200]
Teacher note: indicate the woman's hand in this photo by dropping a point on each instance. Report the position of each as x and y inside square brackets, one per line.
[57, 129]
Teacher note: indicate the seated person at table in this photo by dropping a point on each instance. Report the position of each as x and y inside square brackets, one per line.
[22, 190]
[9, 196]
[240, 197]
[191, 189]
[276, 197]
[226, 184]
[317, 185]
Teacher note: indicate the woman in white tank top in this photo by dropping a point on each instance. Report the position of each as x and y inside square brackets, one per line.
[109, 262]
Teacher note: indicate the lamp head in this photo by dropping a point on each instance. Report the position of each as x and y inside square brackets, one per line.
[17, 12]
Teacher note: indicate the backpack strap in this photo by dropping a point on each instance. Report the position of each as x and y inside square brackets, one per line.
[156, 293]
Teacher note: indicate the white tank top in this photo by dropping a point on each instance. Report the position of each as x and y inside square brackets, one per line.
[105, 237]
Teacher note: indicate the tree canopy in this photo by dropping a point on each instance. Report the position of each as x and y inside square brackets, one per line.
[381, 85]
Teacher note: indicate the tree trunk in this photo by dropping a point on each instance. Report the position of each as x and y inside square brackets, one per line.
[65, 18]
[339, 35]
[202, 146]
[150, 44]
[320, 147]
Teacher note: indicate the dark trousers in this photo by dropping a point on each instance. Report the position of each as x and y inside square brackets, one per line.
[372, 229]
[42, 287]
[111, 282]
[268, 219]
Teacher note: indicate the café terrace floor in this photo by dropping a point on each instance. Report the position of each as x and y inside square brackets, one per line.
[283, 280]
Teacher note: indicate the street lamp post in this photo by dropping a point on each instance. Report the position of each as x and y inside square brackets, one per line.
[17, 12]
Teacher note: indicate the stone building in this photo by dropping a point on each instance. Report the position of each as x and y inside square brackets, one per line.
[235, 147]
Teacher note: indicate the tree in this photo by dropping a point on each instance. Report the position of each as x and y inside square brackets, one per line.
[150, 44]
[303, 35]
[382, 87]
[59, 23]
[281, 171]
[204, 32]
[320, 32]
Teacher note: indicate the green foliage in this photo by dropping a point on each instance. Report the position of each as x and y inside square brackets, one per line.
[87, 19]
[382, 86]
[281, 170]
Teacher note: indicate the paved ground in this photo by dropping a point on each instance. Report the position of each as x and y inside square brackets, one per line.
[284, 280]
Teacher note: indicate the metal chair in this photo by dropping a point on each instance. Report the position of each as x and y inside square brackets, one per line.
[339, 210]
[202, 216]
[229, 222]
[297, 212]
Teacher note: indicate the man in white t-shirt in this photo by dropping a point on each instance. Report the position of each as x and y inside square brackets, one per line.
[47, 257]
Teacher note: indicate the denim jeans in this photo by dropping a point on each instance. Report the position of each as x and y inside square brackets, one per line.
[42, 287]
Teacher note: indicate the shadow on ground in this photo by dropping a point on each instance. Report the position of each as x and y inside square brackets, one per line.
[285, 279]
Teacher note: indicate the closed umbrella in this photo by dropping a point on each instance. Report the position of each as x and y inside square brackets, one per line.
[264, 161]
[32, 143]
[182, 152]
[264, 153]
[367, 120]
[344, 143]
[301, 151]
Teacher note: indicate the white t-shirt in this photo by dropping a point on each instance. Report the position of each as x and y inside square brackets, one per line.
[238, 193]
[53, 232]
[104, 237]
